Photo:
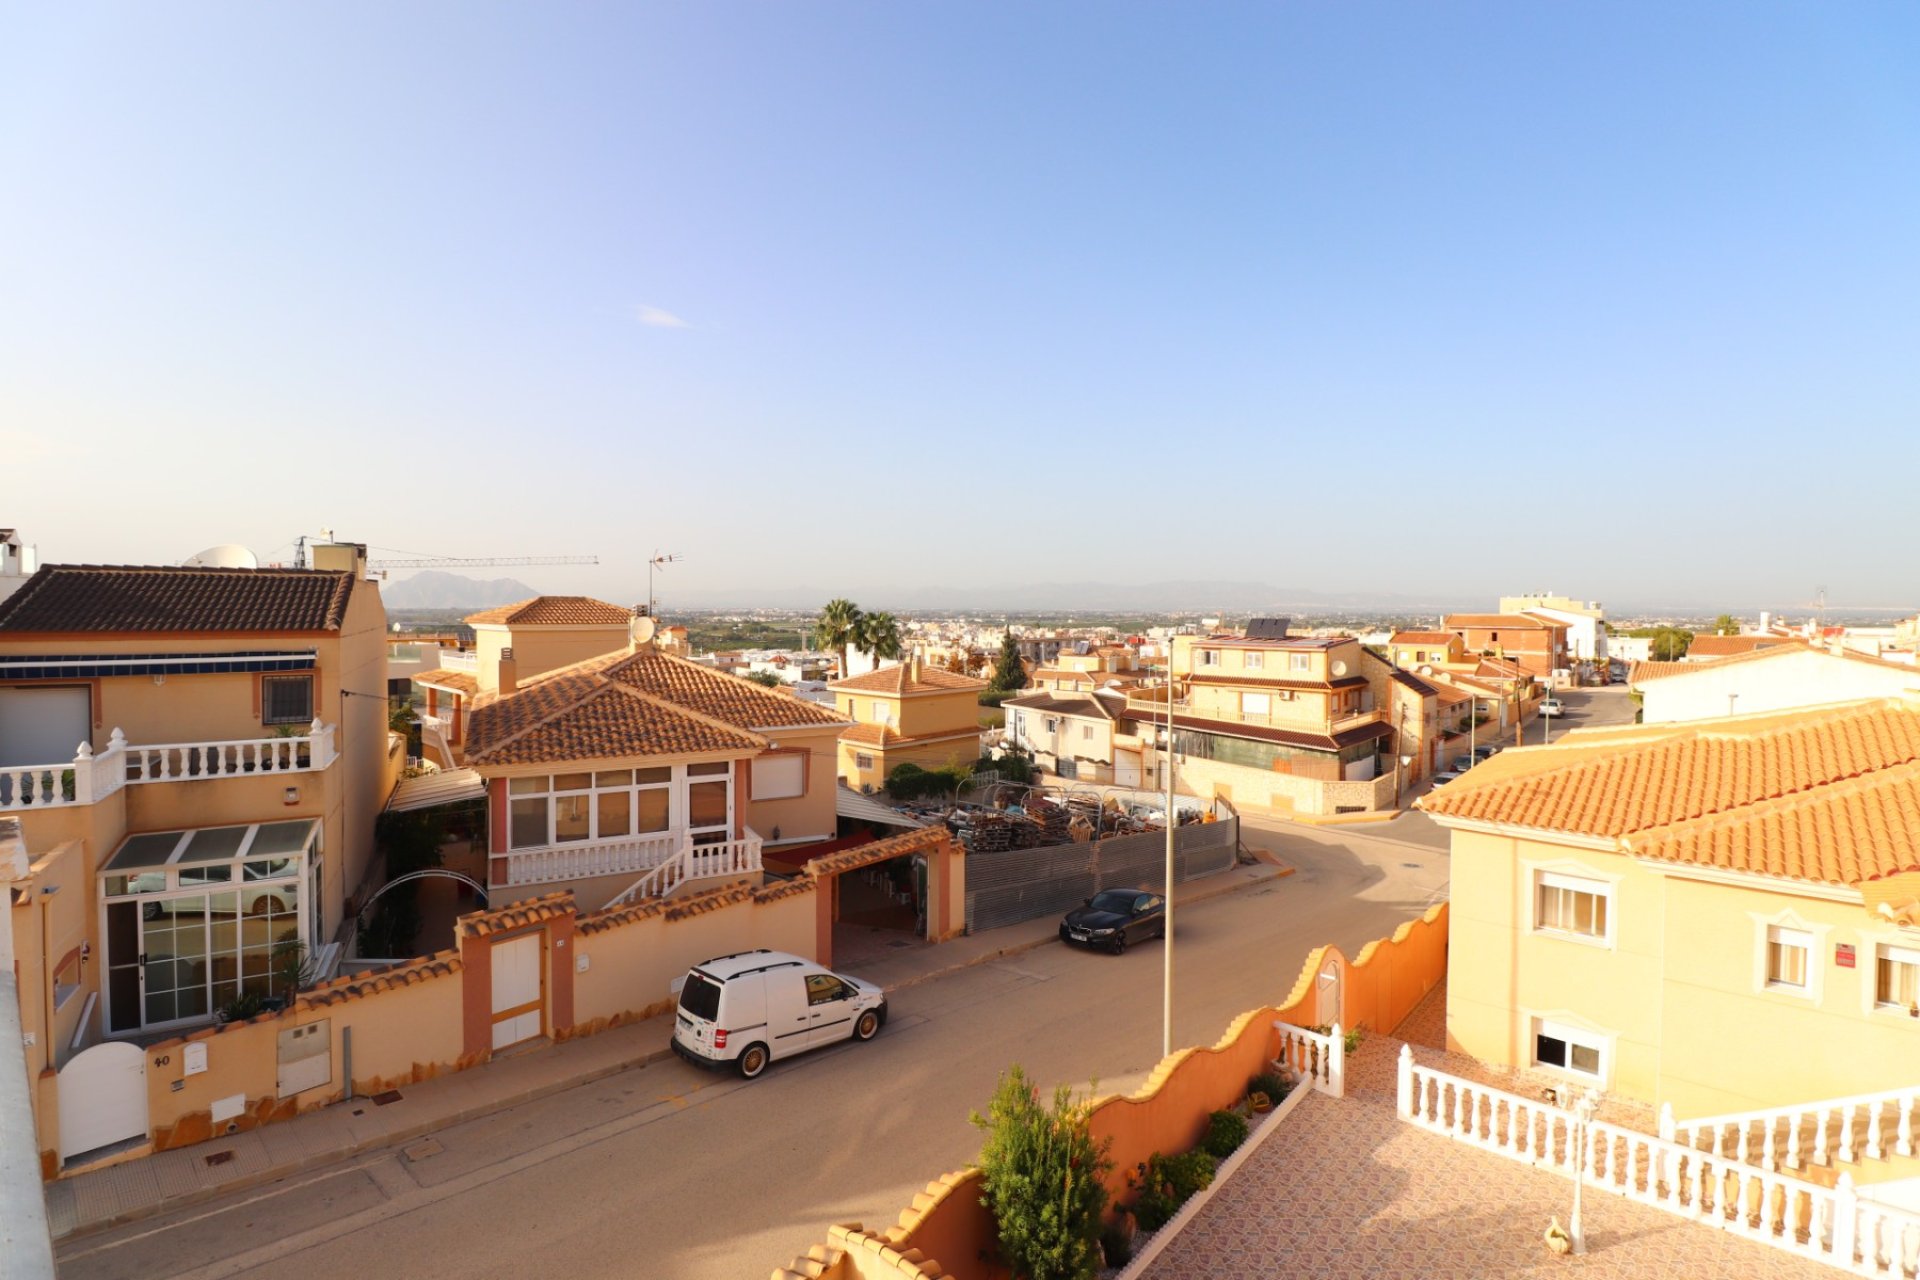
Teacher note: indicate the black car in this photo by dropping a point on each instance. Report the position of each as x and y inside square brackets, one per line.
[1114, 917]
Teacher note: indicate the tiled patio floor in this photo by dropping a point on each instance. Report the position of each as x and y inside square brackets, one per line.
[1345, 1189]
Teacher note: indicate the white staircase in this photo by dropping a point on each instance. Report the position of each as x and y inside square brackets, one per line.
[1812, 1135]
[695, 862]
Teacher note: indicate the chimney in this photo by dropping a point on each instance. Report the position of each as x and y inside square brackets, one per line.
[913, 667]
[506, 673]
[1766, 623]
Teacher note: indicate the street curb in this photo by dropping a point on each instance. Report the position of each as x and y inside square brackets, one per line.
[398, 1137]
[475, 1111]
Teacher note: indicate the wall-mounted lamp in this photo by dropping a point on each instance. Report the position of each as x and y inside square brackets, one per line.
[159, 677]
[292, 795]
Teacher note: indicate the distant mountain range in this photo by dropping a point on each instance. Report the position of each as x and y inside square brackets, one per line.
[432, 589]
[1111, 597]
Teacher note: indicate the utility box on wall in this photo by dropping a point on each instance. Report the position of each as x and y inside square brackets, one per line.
[306, 1057]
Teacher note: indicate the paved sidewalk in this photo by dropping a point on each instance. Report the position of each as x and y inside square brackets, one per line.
[1345, 1190]
[156, 1184]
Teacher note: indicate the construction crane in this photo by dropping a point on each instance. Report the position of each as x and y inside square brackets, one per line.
[438, 562]
[475, 562]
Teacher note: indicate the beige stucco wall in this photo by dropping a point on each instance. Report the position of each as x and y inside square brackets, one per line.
[811, 814]
[629, 968]
[928, 755]
[539, 649]
[1677, 993]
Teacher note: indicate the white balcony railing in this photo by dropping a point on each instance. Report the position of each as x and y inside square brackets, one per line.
[1834, 1225]
[623, 855]
[460, 660]
[89, 778]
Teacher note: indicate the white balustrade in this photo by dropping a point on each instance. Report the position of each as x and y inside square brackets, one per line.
[89, 778]
[1318, 1059]
[695, 862]
[1830, 1224]
[620, 856]
[1826, 1132]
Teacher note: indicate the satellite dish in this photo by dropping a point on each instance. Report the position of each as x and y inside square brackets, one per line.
[1425, 670]
[643, 628]
[228, 555]
[1339, 667]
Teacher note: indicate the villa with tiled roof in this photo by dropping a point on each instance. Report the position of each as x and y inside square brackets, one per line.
[1774, 678]
[604, 773]
[1715, 916]
[908, 713]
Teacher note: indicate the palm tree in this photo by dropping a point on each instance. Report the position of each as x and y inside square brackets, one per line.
[880, 635]
[837, 627]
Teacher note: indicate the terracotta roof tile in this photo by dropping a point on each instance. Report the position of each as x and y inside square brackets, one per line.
[631, 703]
[1829, 794]
[910, 677]
[464, 683]
[555, 611]
[1423, 637]
[133, 598]
[1712, 646]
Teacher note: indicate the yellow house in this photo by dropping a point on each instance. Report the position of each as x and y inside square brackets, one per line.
[1717, 916]
[517, 642]
[906, 714]
[194, 758]
[1415, 649]
[600, 772]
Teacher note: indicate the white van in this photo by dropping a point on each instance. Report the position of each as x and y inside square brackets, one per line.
[754, 1007]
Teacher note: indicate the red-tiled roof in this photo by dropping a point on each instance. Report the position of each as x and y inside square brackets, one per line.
[464, 683]
[1423, 637]
[1829, 794]
[1502, 622]
[908, 678]
[145, 599]
[1712, 646]
[555, 611]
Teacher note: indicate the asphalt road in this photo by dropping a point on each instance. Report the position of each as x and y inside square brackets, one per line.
[672, 1172]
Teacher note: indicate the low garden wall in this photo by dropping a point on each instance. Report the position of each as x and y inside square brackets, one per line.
[937, 1237]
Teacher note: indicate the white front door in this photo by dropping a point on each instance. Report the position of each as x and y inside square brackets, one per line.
[1329, 1002]
[516, 990]
[103, 1097]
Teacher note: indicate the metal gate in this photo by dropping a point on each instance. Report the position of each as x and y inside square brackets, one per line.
[1025, 884]
[103, 1097]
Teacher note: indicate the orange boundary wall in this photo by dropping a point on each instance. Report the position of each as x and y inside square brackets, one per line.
[947, 1233]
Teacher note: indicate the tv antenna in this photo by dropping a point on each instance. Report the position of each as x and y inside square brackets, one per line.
[657, 561]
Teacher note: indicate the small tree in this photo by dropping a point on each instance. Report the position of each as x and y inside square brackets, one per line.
[836, 628]
[1007, 672]
[1726, 625]
[1041, 1171]
[766, 678]
[879, 635]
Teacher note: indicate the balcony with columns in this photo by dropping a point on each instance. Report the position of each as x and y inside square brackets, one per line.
[91, 777]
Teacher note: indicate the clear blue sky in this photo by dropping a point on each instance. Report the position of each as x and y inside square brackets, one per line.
[1619, 300]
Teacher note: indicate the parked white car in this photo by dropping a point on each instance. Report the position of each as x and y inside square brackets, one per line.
[753, 1008]
[1553, 707]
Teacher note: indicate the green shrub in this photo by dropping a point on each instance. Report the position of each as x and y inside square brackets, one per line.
[1270, 1084]
[1350, 1038]
[1040, 1170]
[1226, 1130]
[911, 782]
[1166, 1183]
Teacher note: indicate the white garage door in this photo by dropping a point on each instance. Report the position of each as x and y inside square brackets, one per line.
[1126, 768]
[103, 1097]
[43, 726]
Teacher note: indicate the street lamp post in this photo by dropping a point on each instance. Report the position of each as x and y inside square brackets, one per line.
[1583, 1112]
[1166, 943]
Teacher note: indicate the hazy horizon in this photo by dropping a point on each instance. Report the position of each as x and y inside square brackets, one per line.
[1351, 300]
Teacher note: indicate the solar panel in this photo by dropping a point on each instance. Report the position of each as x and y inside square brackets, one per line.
[1268, 628]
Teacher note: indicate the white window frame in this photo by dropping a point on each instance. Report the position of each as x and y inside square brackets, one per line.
[861, 760]
[1579, 878]
[1086, 733]
[1901, 953]
[1252, 660]
[1300, 662]
[763, 781]
[1572, 1034]
[1207, 657]
[540, 787]
[1256, 704]
[1812, 936]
